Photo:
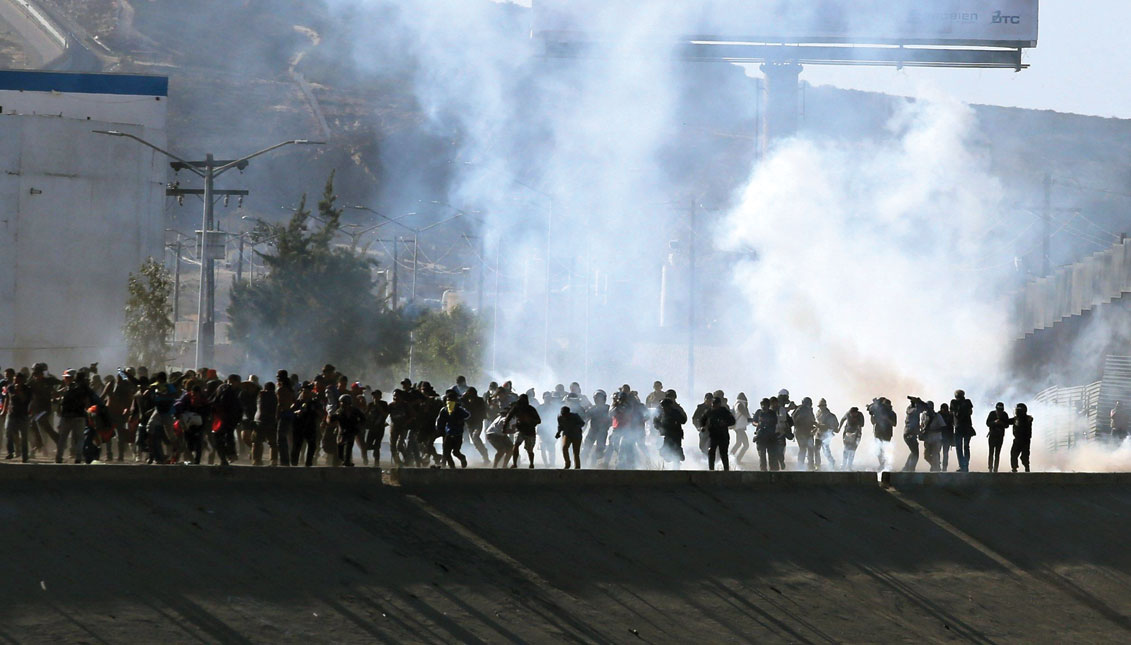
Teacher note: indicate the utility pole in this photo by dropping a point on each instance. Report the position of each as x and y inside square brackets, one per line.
[415, 256]
[206, 303]
[691, 306]
[482, 271]
[396, 271]
[589, 287]
[1046, 236]
[412, 301]
[239, 263]
[495, 315]
[208, 170]
[177, 285]
[549, 268]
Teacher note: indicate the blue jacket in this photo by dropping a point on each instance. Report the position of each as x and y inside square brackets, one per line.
[452, 424]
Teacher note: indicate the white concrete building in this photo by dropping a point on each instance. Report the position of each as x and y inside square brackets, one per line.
[78, 211]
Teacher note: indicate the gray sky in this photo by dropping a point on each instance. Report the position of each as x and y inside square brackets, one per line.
[1080, 65]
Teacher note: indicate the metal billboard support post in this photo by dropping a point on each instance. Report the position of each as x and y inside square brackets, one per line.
[780, 96]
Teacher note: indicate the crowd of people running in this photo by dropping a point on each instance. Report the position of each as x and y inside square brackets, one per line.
[184, 418]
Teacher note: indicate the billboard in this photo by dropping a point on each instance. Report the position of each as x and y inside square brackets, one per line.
[986, 23]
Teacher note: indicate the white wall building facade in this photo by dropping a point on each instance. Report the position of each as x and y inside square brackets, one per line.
[79, 211]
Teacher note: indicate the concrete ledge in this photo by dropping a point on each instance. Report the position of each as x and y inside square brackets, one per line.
[1002, 480]
[44, 473]
[420, 477]
[12, 473]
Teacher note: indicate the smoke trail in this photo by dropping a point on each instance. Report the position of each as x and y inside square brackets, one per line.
[570, 158]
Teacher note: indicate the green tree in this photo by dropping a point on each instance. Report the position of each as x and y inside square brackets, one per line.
[316, 304]
[149, 310]
[448, 345]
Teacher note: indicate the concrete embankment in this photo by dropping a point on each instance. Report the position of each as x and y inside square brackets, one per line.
[121, 554]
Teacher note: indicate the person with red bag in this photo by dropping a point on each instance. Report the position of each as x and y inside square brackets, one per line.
[191, 411]
[98, 432]
[227, 410]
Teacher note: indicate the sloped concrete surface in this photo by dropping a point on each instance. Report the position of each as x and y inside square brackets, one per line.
[180, 554]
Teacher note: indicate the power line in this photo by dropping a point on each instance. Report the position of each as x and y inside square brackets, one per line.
[1074, 183]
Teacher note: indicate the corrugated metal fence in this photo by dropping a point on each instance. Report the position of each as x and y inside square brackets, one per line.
[1082, 413]
[1072, 290]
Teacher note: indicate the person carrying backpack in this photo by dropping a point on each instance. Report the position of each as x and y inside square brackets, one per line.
[670, 420]
[805, 429]
[853, 424]
[766, 435]
[717, 423]
[933, 425]
[827, 426]
[525, 419]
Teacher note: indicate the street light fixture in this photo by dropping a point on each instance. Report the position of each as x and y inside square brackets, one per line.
[208, 170]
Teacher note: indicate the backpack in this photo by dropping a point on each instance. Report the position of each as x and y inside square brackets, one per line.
[938, 423]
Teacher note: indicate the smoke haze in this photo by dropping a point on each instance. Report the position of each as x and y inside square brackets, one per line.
[843, 267]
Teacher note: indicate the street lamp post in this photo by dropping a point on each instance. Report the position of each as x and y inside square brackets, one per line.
[208, 170]
[239, 262]
[178, 248]
[415, 261]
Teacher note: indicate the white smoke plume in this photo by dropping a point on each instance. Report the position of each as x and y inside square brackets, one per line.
[875, 274]
[575, 147]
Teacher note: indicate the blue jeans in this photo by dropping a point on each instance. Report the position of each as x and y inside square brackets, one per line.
[962, 451]
[912, 442]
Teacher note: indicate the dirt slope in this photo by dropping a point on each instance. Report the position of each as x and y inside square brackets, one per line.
[95, 555]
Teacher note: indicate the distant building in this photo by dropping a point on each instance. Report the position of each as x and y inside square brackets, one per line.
[78, 211]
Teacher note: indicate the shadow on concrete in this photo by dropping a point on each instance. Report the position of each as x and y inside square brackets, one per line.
[265, 558]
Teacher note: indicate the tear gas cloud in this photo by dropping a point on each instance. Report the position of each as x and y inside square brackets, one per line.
[876, 272]
[866, 250]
